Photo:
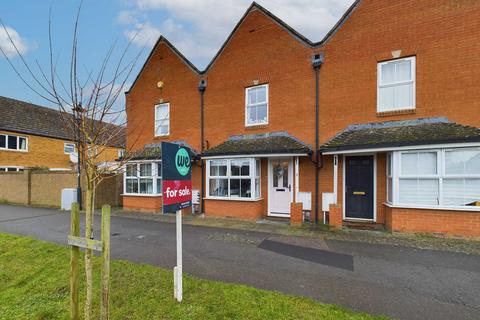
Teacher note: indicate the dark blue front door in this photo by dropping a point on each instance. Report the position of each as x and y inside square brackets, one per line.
[359, 187]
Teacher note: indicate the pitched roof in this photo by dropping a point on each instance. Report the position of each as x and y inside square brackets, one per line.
[252, 7]
[268, 143]
[24, 117]
[427, 131]
[164, 40]
[153, 151]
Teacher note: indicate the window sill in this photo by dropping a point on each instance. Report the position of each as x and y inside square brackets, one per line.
[396, 112]
[233, 199]
[140, 195]
[162, 136]
[443, 208]
[256, 126]
[11, 150]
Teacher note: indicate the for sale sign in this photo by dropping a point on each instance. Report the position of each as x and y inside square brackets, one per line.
[176, 177]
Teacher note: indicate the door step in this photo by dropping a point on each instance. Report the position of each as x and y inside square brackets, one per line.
[359, 225]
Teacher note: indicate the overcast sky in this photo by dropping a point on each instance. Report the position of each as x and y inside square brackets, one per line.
[196, 28]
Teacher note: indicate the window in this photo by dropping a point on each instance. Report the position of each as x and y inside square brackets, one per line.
[12, 142]
[256, 105]
[120, 153]
[233, 178]
[11, 169]
[396, 85]
[143, 178]
[162, 119]
[69, 148]
[442, 177]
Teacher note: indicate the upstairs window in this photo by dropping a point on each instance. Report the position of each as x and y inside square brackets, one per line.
[396, 85]
[12, 142]
[162, 119]
[256, 105]
[69, 148]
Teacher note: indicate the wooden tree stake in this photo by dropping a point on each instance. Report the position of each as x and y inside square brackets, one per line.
[74, 264]
[105, 260]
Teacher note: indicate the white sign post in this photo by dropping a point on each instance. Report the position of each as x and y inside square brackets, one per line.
[177, 271]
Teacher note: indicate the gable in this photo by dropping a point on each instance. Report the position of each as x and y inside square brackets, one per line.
[163, 50]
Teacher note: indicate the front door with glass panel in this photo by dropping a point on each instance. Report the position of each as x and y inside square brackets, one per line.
[280, 186]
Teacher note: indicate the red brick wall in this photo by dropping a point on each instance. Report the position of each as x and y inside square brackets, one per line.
[443, 34]
[150, 204]
[261, 50]
[179, 89]
[455, 223]
[251, 210]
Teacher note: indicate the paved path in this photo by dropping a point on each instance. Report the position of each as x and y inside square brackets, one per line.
[396, 281]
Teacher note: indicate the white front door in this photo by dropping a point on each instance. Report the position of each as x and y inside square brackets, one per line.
[280, 186]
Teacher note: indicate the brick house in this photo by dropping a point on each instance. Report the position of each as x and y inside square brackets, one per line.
[376, 123]
[33, 136]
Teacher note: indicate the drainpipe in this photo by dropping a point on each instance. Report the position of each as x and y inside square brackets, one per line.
[202, 85]
[317, 61]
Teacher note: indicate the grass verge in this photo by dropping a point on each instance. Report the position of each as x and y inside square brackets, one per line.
[34, 284]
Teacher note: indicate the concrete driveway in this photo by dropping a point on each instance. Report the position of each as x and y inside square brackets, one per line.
[400, 282]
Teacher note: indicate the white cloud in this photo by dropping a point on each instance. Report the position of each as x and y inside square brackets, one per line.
[143, 34]
[198, 28]
[6, 42]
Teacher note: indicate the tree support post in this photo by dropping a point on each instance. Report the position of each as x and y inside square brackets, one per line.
[74, 263]
[105, 261]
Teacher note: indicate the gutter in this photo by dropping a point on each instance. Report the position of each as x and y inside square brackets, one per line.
[317, 62]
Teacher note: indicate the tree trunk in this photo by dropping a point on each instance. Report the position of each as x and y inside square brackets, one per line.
[88, 252]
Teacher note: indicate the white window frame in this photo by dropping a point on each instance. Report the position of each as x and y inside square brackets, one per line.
[167, 104]
[252, 176]
[156, 174]
[5, 168]
[120, 153]
[18, 143]
[413, 81]
[68, 144]
[440, 176]
[247, 105]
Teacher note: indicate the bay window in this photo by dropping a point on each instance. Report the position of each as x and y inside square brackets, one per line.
[233, 178]
[434, 178]
[143, 178]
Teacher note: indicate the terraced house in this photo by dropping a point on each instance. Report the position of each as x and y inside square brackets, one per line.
[376, 124]
[32, 136]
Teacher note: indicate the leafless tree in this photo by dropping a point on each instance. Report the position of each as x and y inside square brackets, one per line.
[86, 100]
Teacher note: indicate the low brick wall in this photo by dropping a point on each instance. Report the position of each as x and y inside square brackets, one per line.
[454, 223]
[44, 188]
[335, 216]
[296, 213]
[248, 210]
[141, 203]
[14, 187]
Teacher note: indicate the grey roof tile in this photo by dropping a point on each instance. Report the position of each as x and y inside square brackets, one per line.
[401, 133]
[24, 117]
[269, 143]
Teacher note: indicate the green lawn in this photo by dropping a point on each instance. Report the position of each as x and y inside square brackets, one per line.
[34, 285]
